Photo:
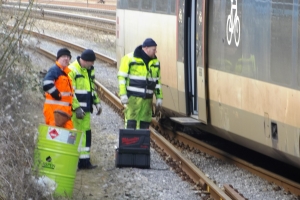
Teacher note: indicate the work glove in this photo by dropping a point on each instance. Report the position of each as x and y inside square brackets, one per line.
[99, 109]
[56, 95]
[158, 103]
[79, 113]
[124, 99]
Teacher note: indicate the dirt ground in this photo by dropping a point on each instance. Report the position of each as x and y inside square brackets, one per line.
[92, 183]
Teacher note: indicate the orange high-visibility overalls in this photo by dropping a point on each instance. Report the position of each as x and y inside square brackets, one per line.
[58, 82]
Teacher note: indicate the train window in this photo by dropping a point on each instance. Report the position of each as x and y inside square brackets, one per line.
[173, 4]
[161, 6]
[281, 70]
[119, 4]
[134, 4]
[146, 5]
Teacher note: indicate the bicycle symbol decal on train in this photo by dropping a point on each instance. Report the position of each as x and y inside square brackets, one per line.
[233, 25]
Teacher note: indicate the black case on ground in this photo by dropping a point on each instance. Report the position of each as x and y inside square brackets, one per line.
[134, 148]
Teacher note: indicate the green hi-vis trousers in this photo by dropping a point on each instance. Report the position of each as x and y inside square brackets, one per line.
[138, 113]
[84, 125]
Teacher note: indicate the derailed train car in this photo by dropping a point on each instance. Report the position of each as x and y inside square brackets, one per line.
[231, 65]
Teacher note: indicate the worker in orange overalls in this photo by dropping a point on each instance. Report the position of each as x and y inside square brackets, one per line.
[59, 92]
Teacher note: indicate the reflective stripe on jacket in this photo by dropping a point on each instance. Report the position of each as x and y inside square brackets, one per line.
[84, 87]
[136, 80]
[57, 79]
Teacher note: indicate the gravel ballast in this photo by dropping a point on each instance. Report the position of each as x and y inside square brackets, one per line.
[158, 182]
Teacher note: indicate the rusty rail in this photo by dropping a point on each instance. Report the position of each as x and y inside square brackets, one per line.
[189, 168]
[99, 56]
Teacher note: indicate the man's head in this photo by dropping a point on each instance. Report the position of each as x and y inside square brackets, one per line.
[149, 47]
[88, 58]
[63, 56]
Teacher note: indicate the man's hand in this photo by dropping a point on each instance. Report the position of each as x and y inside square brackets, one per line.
[79, 113]
[158, 103]
[99, 109]
[56, 95]
[124, 99]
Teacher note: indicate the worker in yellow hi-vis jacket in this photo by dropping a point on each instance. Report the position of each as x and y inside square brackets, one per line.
[83, 75]
[139, 79]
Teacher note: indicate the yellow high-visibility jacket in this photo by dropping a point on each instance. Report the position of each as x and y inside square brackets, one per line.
[137, 79]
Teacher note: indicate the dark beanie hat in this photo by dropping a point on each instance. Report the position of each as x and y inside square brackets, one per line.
[63, 51]
[88, 55]
[149, 43]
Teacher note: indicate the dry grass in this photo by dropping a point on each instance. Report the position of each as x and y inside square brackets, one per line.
[20, 111]
[19, 118]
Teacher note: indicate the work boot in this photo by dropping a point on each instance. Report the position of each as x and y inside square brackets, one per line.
[90, 166]
[85, 164]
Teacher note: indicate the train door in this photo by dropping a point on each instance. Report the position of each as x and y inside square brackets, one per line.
[195, 60]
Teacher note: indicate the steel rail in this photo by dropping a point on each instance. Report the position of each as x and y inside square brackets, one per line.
[110, 29]
[234, 194]
[77, 16]
[192, 171]
[99, 56]
[287, 184]
[109, 97]
[188, 167]
[79, 4]
[65, 8]
[63, 14]
[46, 53]
[77, 23]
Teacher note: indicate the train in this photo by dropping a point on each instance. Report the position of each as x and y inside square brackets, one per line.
[229, 67]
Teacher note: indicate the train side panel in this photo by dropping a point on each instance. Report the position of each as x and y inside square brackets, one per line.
[253, 88]
[253, 68]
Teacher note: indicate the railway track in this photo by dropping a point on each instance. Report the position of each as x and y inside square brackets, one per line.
[184, 167]
[99, 56]
[200, 179]
[88, 4]
[187, 142]
[187, 170]
[104, 12]
[90, 22]
[191, 143]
